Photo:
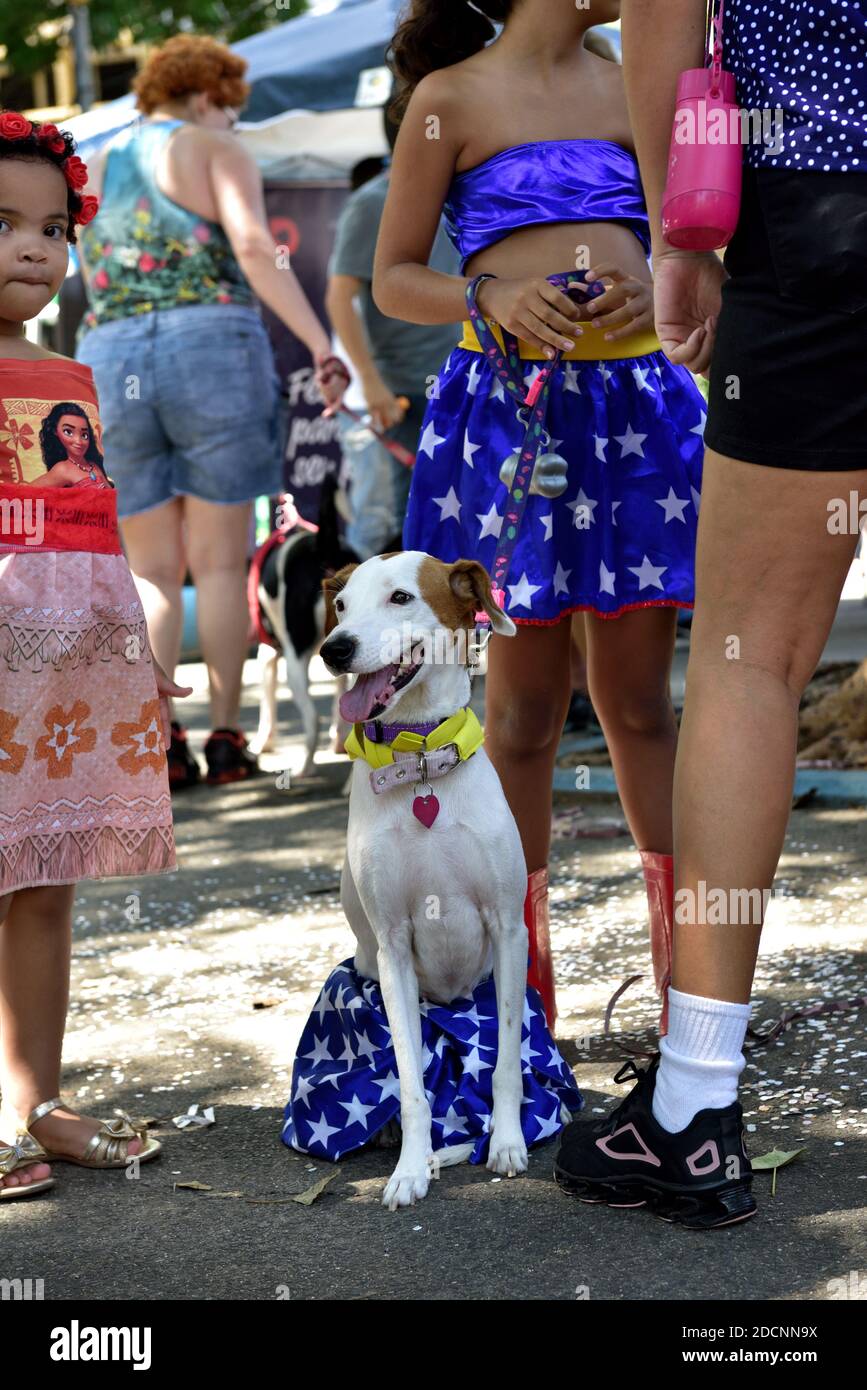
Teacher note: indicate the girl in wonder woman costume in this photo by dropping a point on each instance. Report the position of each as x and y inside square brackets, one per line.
[568, 462]
[83, 781]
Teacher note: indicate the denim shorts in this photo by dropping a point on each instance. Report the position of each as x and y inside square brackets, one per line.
[378, 484]
[189, 401]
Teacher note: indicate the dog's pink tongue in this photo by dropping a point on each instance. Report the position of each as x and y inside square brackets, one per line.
[356, 704]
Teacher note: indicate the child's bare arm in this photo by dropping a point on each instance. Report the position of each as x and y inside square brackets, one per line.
[427, 149]
[403, 285]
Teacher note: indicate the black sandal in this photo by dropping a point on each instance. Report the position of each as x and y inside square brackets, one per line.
[184, 771]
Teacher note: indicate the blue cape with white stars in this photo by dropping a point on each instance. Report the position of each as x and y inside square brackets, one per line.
[345, 1085]
[623, 443]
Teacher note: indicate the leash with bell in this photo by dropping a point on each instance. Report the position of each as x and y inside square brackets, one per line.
[505, 362]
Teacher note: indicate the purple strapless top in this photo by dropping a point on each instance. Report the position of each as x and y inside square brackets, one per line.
[546, 181]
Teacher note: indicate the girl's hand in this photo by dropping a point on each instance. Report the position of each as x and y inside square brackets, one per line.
[166, 687]
[533, 310]
[626, 307]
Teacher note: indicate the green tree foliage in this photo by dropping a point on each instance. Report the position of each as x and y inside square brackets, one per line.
[148, 21]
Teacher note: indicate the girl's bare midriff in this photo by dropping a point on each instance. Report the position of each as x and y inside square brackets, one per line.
[549, 250]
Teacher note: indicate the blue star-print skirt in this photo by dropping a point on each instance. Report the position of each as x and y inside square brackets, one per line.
[345, 1085]
[623, 446]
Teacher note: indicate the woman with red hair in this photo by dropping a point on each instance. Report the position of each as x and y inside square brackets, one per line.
[184, 366]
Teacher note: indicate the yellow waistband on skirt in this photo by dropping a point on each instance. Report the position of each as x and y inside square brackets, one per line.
[590, 347]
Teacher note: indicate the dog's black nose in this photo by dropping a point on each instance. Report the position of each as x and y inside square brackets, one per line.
[338, 651]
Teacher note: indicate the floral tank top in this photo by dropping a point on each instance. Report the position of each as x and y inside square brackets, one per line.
[143, 251]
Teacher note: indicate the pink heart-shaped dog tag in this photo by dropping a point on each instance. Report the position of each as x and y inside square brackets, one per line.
[426, 809]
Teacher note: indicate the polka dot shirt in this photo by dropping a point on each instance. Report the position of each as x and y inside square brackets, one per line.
[809, 58]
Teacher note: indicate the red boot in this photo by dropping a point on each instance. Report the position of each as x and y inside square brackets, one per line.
[541, 970]
[659, 879]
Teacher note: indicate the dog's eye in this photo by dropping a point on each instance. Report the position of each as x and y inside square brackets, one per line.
[400, 596]
[338, 604]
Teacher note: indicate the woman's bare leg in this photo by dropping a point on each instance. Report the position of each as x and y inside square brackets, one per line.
[217, 539]
[527, 695]
[35, 946]
[768, 581]
[154, 544]
[629, 666]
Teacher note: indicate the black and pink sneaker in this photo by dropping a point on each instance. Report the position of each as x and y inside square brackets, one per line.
[228, 758]
[700, 1177]
[184, 771]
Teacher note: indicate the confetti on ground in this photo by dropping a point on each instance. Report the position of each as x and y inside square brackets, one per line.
[194, 1118]
[163, 998]
[306, 1199]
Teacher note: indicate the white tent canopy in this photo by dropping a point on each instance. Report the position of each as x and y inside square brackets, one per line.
[318, 83]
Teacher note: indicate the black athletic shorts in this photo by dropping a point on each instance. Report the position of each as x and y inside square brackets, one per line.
[788, 380]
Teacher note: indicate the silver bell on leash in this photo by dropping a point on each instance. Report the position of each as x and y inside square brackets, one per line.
[549, 475]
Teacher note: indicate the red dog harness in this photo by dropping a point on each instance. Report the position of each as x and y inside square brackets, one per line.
[292, 522]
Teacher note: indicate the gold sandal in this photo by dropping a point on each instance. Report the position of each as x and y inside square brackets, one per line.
[21, 1154]
[108, 1147]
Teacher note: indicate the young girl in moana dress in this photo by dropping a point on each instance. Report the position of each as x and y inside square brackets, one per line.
[83, 783]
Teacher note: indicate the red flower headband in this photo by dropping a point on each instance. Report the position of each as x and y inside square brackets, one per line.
[14, 126]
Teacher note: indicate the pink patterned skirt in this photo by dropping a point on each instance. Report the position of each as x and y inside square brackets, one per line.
[84, 787]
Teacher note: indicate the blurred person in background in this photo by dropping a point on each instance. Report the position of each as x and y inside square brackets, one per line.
[173, 262]
[395, 362]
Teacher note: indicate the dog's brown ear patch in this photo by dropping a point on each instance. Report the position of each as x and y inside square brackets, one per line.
[471, 583]
[453, 608]
[457, 592]
[331, 587]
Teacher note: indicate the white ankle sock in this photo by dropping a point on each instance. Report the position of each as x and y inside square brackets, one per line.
[701, 1058]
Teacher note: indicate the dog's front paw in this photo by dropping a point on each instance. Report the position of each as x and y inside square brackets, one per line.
[507, 1154]
[407, 1185]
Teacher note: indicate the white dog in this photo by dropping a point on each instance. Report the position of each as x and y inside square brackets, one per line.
[434, 896]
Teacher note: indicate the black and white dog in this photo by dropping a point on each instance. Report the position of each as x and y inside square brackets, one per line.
[288, 613]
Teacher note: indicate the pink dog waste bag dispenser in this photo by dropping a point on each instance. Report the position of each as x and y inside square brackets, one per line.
[702, 198]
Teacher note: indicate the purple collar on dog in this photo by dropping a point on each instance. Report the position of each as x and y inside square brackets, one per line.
[387, 733]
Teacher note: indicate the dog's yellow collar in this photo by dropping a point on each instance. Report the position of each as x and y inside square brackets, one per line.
[462, 729]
